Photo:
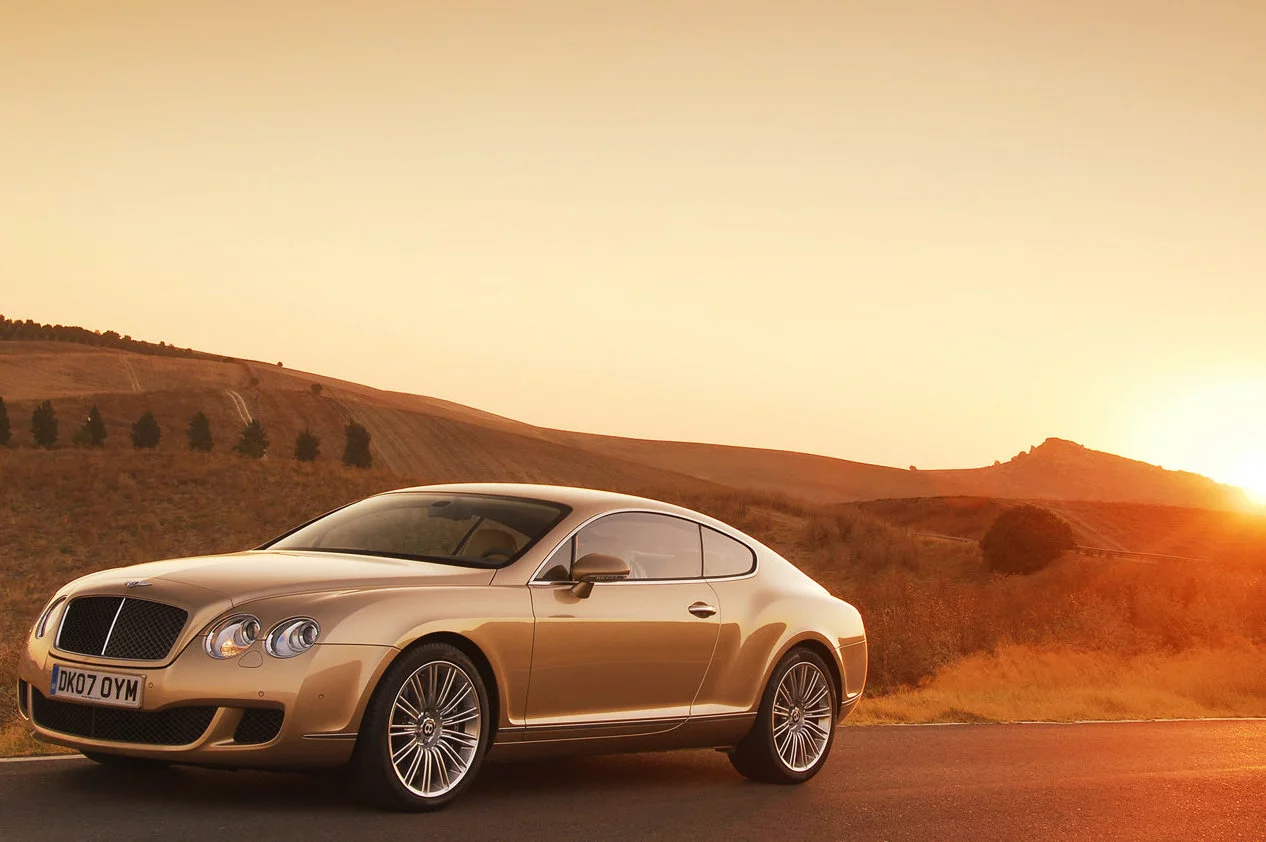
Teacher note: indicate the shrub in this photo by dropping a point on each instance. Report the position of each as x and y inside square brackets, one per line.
[307, 446]
[5, 432]
[44, 425]
[200, 433]
[253, 441]
[356, 451]
[93, 432]
[146, 432]
[1024, 540]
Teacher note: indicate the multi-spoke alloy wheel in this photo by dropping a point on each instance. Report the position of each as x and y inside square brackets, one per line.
[802, 716]
[434, 729]
[796, 724]
[424, 734]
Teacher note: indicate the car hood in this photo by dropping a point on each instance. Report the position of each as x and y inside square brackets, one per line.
[258, 574]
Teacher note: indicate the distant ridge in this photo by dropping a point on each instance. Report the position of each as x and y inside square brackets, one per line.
[413, 434]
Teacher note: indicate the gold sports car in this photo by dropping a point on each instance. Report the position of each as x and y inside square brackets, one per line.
[417, 632]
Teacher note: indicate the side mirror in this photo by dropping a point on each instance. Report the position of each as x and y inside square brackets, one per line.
[596, 567]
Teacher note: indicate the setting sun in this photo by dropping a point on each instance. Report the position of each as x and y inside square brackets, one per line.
[1218, 429]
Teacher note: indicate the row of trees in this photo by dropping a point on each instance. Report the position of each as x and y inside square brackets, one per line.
[32, 331]
[146, 433]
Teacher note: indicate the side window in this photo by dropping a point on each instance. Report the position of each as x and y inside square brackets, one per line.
[655, 546]
[723, 556]
[558, 568]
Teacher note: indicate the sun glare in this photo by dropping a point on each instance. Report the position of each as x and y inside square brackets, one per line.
[1218, 429]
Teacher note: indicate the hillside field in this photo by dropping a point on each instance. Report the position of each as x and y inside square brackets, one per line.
[414, 433]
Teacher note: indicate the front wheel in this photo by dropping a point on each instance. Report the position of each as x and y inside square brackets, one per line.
[795, 726]
[425, 732]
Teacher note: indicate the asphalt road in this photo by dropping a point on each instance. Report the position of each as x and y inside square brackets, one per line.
[1162, 780]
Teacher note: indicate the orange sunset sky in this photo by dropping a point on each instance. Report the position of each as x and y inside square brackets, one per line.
[927, 233]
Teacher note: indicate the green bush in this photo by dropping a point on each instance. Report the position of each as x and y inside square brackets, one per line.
[93, 432]
[253, 441]
[356, 451]
[200, 433]
[1024, 540]
[146, 432]
[44, 425]
[307, 446]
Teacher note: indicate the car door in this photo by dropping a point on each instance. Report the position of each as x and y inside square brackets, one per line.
[634, 650]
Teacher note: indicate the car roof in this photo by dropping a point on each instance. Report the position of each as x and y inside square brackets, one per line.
[579, 499]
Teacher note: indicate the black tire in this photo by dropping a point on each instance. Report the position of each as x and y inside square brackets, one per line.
[124, 763]
[372, 762]
[758, 757]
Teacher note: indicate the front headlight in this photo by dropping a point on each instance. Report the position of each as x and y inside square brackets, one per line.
[232, 637]
[41, 625]
[292, 637]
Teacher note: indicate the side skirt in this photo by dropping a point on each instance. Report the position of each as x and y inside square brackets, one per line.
[720, 731]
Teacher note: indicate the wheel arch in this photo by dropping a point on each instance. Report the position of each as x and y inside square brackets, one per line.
[817, 646]
[471, 650]
[468, 648]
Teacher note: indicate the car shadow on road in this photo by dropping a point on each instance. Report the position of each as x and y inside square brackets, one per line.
[543, 781]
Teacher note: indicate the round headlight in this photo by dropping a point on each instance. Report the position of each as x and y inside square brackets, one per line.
[232, 637]
[292, 637]
[42, 625]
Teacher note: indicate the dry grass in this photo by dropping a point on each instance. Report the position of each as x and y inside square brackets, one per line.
[1235, 537]
[1061, 684]
[941, 628]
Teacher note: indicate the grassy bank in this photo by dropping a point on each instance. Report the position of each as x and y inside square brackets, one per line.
[1019, 683]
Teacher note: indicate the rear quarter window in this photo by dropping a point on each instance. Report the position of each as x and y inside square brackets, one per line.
[724, 556]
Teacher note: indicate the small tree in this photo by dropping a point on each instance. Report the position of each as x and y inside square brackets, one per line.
[146, 432]
[356, 452]
[316, 388]
[200, 433]
[44, 425]
[5, 432]
[307, 446]
[253, 441]
[93, 432]
[1024, 540]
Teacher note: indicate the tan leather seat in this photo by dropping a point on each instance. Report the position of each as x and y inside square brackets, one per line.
[487, 541]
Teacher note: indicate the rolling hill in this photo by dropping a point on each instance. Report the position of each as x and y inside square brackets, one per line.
[416, 435]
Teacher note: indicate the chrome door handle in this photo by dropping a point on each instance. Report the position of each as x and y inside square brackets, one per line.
[702, 609]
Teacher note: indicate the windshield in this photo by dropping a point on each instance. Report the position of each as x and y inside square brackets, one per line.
[468, 529]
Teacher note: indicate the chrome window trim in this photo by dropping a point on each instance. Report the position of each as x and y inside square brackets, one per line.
[534, 581]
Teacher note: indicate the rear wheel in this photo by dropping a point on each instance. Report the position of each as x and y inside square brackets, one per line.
[425, 732]
[795, 726]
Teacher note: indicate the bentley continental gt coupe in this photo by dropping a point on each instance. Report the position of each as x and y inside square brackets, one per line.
[416, 633]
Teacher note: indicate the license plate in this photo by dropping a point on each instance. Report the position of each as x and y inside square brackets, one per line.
[102, 688]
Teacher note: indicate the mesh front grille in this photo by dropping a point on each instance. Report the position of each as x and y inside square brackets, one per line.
[145, 631]
[22, 703]
[86, 624]
[117, 627]
[171, 727]
[258, 725]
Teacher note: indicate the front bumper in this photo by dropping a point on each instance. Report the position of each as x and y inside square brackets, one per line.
[320, 695]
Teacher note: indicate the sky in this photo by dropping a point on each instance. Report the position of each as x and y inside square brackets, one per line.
[928, 233]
